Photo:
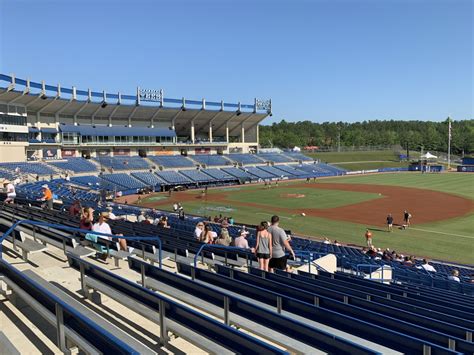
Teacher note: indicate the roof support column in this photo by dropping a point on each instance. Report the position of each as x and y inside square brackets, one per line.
[227, 131]
[192, 132]
[242, 133]
[210, 132]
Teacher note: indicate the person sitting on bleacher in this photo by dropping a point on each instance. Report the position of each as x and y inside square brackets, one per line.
[198, 230]
[454, 275]
[103, 227]
[224, 237]
[87, 217]
[426, 266]
[75, 209]
[207, 235]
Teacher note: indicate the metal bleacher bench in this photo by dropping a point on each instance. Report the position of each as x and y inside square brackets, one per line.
[27, 245]
[90, 314]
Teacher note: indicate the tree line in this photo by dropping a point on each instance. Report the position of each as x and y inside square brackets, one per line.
[414, 134]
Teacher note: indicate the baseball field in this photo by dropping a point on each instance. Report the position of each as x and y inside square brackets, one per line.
[442, 206]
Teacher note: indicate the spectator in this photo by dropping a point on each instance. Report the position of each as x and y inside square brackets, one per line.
[372, 252]
[207, 235]
[224, 237]
[241, 241]
[336, 243]
[407, 261]
[103, 227]
[164, 222]
[326, 241]
[87, 217]
[231, 220]
[47, 197]
[75, 209]
[112, 216]
[368, 237]
[263, 248]
[10, 190]
[141, 217]
[426, 266]
[279, 244]
[454, 275]
[198, 230]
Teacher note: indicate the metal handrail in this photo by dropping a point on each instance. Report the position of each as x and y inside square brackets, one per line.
[214, 246]
[310, 258]
[377, 266]
[72, 229]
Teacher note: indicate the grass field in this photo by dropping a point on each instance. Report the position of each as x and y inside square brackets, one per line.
[451, 239]
[363, 160]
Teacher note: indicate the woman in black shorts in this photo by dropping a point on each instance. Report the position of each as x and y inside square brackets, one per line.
[263, 249]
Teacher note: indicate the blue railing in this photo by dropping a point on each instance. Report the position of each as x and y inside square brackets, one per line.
[72, 229]
[372, 267]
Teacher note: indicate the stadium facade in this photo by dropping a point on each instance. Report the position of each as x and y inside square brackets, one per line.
[41, 121]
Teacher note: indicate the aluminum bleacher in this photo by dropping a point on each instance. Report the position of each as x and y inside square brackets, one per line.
[172, 161]
[211, 160]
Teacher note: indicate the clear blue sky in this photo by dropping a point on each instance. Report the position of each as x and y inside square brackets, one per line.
[321, 60]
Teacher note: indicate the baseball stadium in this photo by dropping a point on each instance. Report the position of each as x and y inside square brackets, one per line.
[150, 222]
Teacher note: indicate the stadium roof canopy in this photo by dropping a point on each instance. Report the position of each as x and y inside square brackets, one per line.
[40, 98]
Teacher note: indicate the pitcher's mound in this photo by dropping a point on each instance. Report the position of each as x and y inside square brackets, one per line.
[293, 195]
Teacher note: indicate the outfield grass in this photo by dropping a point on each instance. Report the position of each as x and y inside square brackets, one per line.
[363, 160]
[371, 155]
[451, 240]
[371, 165]
[313, 198]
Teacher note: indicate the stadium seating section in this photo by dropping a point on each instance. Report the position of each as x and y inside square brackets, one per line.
[211, 160]
[77, 165]
[172, 161]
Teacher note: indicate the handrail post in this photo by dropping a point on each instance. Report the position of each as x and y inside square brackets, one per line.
[60, 332]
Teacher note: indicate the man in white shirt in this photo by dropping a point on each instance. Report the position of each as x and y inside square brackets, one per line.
[10, 190]
[426, 266]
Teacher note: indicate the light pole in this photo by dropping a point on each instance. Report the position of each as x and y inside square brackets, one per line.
[449, 142]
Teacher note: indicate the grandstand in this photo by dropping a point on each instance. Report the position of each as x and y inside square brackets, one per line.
[53, 121]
